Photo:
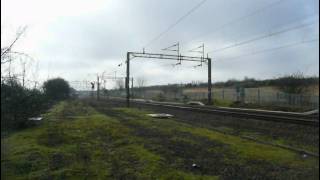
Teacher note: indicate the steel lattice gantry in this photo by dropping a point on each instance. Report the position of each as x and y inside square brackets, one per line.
[179, 58]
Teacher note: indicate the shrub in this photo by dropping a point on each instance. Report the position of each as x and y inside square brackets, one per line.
[185, 98]
[57, 89]
[295, 83]
[18, 104]
[161, 97]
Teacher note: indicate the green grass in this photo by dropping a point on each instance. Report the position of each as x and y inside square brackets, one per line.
[223, 103]
[77, 141]
[245, 148]
[282, 141]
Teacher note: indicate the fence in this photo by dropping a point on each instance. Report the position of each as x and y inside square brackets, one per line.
[259, 96]
[262, 97]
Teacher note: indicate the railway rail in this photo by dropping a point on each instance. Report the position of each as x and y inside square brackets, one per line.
[276, 116]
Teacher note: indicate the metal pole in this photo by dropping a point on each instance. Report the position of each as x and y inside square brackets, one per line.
[24, 73]
[222, 93]
[132, 94]
[128, 79]
[98, 88]
[131, 82]
[259, 96]
[209, 82]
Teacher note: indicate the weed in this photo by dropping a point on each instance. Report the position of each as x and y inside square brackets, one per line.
[53, 136]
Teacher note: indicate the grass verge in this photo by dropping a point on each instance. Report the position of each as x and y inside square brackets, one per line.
[77, 141]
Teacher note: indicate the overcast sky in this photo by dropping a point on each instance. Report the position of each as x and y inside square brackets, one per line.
[75, 39]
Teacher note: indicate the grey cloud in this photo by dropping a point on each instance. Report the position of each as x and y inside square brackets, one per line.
[87, 42]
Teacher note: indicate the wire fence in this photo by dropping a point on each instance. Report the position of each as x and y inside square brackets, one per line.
[259, 96]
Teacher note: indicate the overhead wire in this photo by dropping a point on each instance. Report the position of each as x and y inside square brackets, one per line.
[257, 11]
[242, 42]
[272, 49]
[262, 37]
[175, 23]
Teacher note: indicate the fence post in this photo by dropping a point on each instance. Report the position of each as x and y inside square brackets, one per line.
[277, 98]
[259, 96]
[209, 83]
[128, 80]
[290, 99]
[300, 100]
[222, 93]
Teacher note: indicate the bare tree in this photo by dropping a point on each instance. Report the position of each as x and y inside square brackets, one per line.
[8, 55]
[7, 51]
[9, 58]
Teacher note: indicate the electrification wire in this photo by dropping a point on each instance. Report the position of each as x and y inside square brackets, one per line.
[257, 11]
[175, 23]
[262, 37]
[273, 49]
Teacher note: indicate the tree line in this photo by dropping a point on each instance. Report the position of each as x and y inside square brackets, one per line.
[295, 83]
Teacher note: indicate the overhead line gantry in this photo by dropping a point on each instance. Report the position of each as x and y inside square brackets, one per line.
[178, 57]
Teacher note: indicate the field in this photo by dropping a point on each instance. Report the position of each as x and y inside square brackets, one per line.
[81, 140]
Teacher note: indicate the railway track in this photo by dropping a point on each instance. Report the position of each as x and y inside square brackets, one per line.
[286, 117]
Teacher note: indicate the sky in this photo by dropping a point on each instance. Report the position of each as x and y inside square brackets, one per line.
[78, 39]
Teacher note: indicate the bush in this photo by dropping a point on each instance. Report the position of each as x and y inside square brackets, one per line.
[224, 103]
[160, 97]
[185, 98]
[18, 104]
[57, 89]
[295, 83]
